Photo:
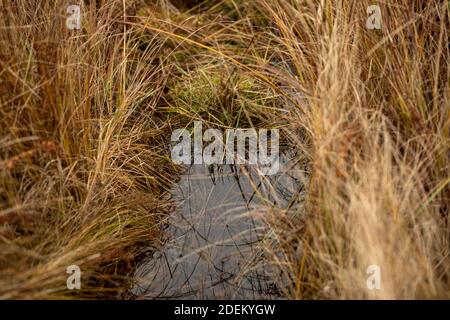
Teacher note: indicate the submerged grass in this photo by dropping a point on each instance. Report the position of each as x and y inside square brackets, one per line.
[87, 116]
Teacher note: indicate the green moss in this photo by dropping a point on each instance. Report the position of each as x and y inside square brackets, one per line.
[214, 94]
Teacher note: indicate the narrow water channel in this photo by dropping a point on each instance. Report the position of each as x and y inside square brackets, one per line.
[213, 248]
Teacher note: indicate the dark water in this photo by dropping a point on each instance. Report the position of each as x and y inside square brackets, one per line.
[214, 250]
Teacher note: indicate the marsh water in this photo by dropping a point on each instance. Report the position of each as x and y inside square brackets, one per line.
[214, 246]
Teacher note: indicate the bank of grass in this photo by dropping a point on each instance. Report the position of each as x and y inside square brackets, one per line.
[83, 148]
[87, 115]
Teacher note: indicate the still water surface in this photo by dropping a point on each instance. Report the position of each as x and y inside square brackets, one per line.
[213, 248]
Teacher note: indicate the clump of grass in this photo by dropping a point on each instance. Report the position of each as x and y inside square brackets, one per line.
[377, 129]
[84, 161]
[225, 100]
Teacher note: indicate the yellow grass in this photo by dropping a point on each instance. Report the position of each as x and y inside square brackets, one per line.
[87, 115]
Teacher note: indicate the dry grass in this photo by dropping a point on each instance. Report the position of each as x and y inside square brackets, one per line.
[86, 116]
[83, 149]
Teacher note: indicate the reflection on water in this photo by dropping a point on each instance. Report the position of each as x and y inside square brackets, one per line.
[213, 249]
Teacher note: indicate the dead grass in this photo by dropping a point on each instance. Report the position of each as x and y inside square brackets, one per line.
[87, 115]
[82, 147]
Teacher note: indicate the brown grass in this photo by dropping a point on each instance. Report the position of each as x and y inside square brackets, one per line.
[82, 147]
[86, 116]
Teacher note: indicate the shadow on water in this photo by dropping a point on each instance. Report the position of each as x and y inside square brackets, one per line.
[213, 250]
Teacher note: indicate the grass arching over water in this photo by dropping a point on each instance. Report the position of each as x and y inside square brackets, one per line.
[87, 115]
